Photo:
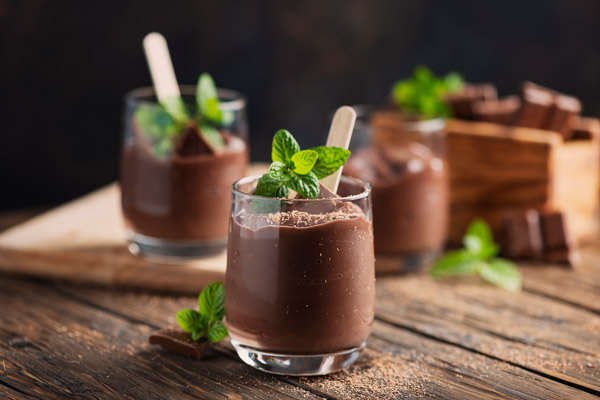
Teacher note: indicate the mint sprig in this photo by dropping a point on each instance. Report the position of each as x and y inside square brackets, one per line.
[478, 257]
[207, 321]
[163, 122]
[424, 93]
[298, 170]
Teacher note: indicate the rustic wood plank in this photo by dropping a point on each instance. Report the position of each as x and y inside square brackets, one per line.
[55, 347]
[397, 363]
[536, 333]
[580, 287]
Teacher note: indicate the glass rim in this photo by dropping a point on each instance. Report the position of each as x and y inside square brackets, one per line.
[429, 125]
[237, 100]
[364, 194]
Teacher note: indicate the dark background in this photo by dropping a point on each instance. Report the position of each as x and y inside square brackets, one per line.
[65, 66]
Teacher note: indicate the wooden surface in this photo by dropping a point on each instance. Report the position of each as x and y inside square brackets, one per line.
[431, 339]
[496, 169]
[83, 241]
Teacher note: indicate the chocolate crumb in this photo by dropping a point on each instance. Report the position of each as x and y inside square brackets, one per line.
[179, 341]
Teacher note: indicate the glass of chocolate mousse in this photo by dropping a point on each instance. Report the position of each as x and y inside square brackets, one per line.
[403, 158]
[300, 278]
[178, 162]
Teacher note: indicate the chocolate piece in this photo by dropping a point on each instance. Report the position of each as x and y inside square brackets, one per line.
[316, 207]
[523, 232]
[536, 105]
[301, 288]
[586, 129]
[175, 339]
[192, 143]
[544, 108]
[461, 102]
[554, 231]
[522, 235]
[501, 111]
[564, 111]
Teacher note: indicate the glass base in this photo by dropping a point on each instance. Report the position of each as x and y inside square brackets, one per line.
[297, 365]
[405, 263]
[172, 250]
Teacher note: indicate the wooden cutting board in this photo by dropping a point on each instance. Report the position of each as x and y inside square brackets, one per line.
[83, 242]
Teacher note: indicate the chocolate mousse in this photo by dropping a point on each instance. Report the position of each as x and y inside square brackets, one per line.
[185, 195]
[301, 280]
[410, 196]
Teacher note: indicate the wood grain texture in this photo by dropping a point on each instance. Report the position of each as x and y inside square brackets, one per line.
[526, 330]
[55, 347]
[496, 168]
[83, 241]
[398, 363]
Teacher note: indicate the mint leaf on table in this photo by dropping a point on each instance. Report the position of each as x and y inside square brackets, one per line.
[424, 93]
[207, 321]
[296, 169]
[478, 257]
[503, 273]
[329, 160]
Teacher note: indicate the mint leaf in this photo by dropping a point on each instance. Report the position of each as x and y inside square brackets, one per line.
[196, 335]
[478, 258]
[217, 331]
[284, 147]
[154, 122]
[329, 160]
[479, 239]
[424, 93]
[306, 185]
[279, 171]
[162, 148]
[267, 186]
[502, 273]
[211, 302]
[176, 107]
[455, 263]
[213, 136]
[304, 161]
[191, 320]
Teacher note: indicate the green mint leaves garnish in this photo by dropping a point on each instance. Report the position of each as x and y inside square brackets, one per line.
[478, 257]
[208, 103]
[424, 93]
[299, 170]
[208, 320]
[162, 122]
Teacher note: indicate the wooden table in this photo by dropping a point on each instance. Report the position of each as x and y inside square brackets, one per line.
[450, 339]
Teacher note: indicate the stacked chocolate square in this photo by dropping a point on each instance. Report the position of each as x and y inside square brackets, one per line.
[535, 107]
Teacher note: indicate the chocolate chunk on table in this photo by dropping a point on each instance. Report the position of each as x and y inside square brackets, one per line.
[179, 341]
[537, 235]
[522, 235]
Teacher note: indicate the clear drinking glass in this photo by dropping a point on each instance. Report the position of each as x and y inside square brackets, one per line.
[404, 160]
[300, 284]
[176, 196]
